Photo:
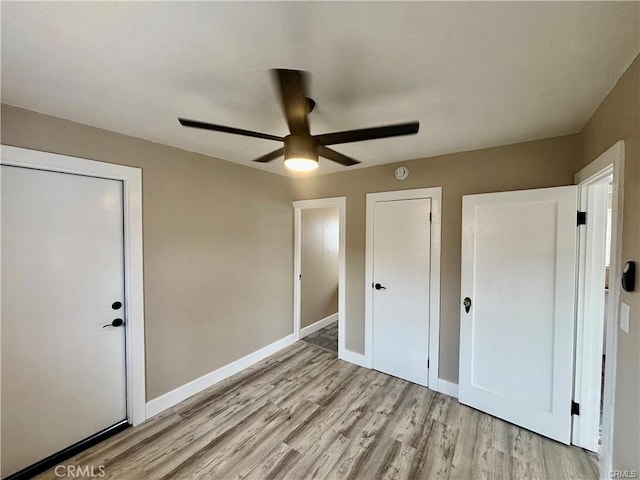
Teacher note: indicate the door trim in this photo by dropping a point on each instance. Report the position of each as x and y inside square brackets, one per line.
[298, 206]
[435, 194]
[591, 313]
[131, 178]
[611, 161]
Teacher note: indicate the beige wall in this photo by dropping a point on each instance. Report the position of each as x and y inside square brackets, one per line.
[218, 243]
[319, 264]
[543, 163]
[618, 117]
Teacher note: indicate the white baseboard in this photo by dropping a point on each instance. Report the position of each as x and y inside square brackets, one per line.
[314, 327]
[355, 358]
[179, 394]
[448, 388]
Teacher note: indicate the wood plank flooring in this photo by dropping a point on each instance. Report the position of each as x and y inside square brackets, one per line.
[303, 414]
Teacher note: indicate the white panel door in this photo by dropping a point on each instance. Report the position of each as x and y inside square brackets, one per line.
[63, 374]
[516, 341]
[401, 265]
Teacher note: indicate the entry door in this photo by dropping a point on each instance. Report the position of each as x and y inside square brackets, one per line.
[63, 364]
[401, 265]
[518, 274]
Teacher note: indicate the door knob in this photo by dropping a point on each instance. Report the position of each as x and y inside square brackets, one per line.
[467, 304]
[377, 286]
[117, 322]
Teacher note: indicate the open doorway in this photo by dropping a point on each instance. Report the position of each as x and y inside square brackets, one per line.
[600, 191]
[319, 273]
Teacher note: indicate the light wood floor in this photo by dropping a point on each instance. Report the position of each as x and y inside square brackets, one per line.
[303, 413]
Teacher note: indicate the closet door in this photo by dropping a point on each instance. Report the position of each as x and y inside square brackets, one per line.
[63, 336]
[517, 307]
[401, 288]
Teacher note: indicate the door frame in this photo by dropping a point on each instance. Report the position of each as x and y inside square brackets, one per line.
[611, 162]
[435, 194]
[298, 206]
[131, 178]
[591, 313]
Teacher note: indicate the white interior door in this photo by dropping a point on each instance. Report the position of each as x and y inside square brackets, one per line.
[516, 341]
[401, 265]
[63, 374]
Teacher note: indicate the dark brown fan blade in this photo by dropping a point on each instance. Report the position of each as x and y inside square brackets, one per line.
[292, 89]
[270, 156]
[336, 156]
[222, 128]
[368, 133]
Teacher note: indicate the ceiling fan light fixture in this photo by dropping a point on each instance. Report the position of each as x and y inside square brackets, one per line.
[300, 153]
[300, 164]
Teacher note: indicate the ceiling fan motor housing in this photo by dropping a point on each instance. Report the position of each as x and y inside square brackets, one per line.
[300, 147]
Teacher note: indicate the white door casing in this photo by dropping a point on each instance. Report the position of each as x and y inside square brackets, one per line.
[131, 178]
[610, 162]
[516, 342]
[429, 297]
[590, 312]
[401, 266]
[63, 373]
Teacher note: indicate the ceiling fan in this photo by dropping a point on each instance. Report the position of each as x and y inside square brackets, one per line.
[301, 149]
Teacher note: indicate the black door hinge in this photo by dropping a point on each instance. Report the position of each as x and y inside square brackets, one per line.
[427, 363]
[575, 408]
[582, 218]
[430, 216]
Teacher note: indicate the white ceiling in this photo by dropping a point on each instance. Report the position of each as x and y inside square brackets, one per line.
[474, 74]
